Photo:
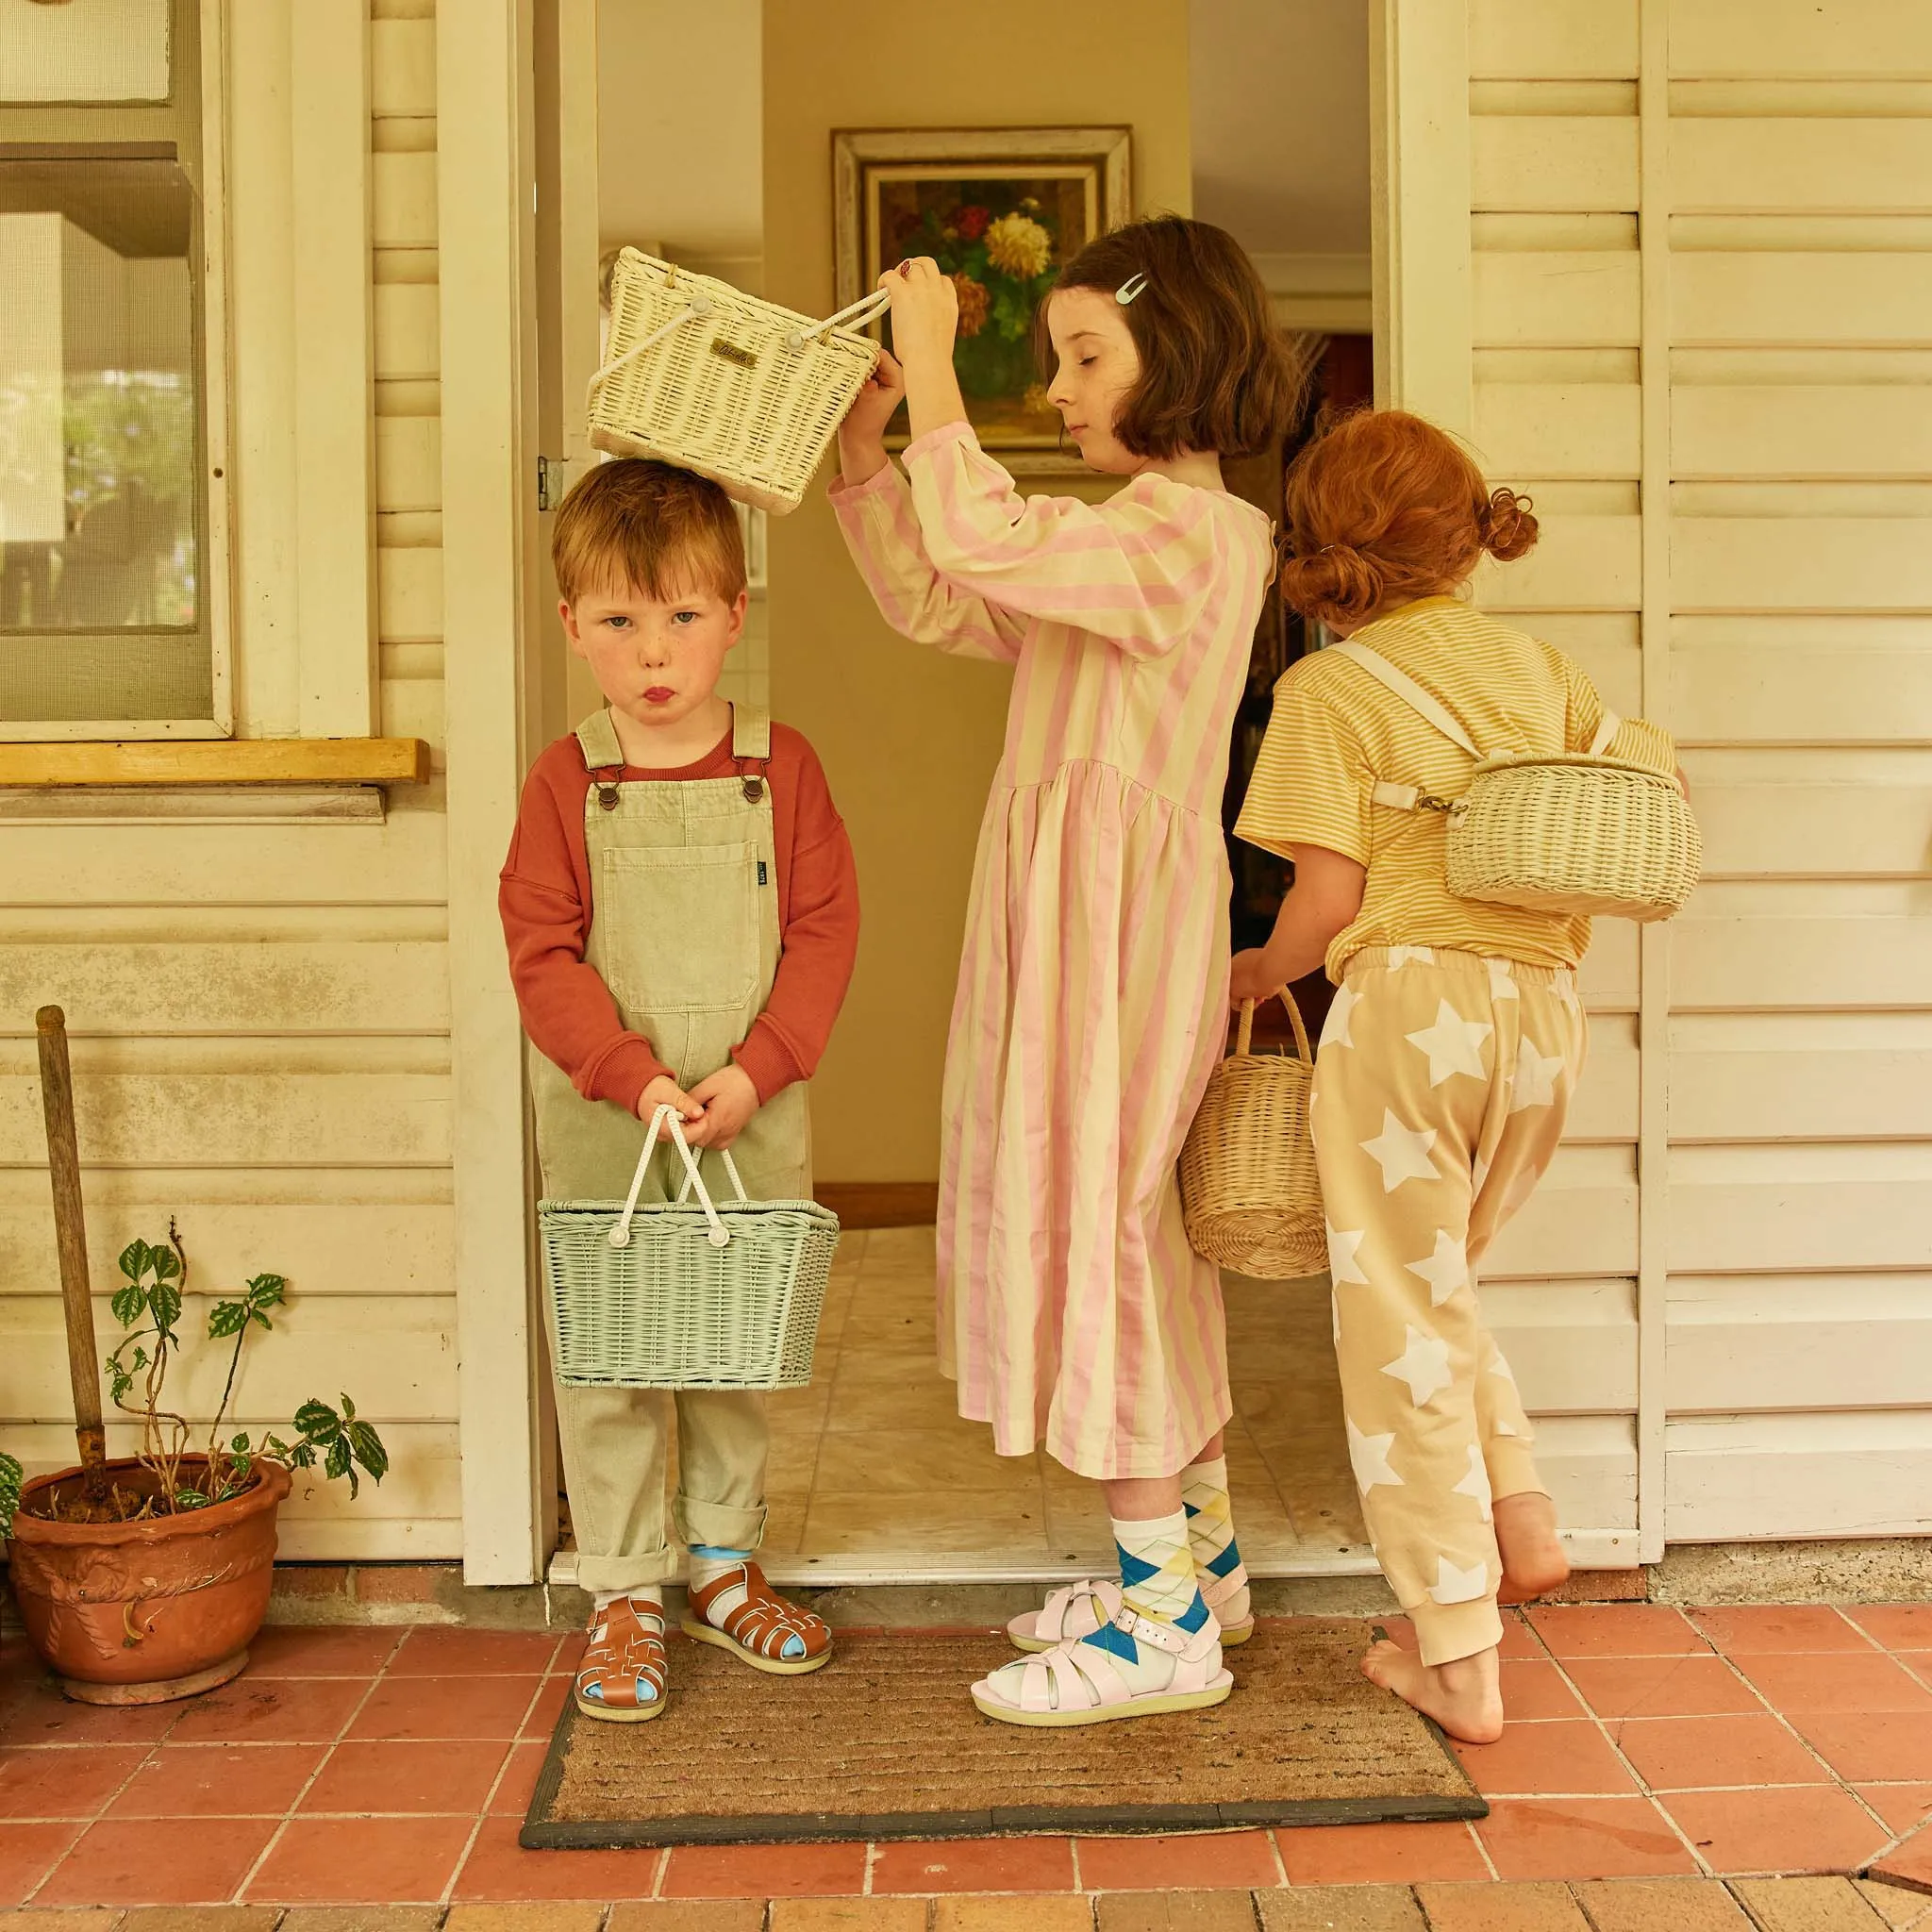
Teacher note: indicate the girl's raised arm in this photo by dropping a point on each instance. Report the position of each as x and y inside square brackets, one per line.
[1137, 570]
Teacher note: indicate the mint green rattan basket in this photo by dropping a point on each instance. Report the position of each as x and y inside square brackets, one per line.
[692, 1293]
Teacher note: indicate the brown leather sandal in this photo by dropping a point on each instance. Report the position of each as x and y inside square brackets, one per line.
[757, 1630]
[620, 1678]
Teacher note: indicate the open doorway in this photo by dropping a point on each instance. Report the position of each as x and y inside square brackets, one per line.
[874, 1477]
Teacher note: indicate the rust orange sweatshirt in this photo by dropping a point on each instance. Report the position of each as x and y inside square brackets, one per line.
[544, 897]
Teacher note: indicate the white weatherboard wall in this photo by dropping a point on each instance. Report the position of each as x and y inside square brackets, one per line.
[261, 1005]
[1700, 302]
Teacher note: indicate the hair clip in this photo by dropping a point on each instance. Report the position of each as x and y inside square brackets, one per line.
[1129, 289]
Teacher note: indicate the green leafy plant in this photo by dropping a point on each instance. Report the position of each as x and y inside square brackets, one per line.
[148, 1304]
[11, 1476]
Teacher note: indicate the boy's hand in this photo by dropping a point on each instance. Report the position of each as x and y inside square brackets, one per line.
[1251, 978]
[862, 432]
[729, 1099]
[665, 1091]
[925, 311]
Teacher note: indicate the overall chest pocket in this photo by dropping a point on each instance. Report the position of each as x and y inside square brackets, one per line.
[680, 927]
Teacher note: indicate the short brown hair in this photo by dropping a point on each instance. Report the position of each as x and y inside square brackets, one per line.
[648, 527]
[1383, 508]
[1216, 374]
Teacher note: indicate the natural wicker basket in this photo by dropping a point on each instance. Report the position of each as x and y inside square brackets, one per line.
[1249, 1191]
[1574, 835]
[690, 1293]
[701, 375]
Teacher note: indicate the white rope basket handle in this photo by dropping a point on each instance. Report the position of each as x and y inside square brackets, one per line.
[855, 316]
[720, 1236]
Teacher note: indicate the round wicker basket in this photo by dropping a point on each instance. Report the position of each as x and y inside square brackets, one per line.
[1248, 1185]
[1573, 835]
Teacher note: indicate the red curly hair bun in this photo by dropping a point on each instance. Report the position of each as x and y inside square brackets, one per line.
[1384, 509]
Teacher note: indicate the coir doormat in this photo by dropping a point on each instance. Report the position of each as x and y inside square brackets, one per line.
[885, 1742]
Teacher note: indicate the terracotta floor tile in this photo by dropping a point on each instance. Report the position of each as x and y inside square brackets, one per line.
[1898, 1626]
[1533, 1690]
[46, 1717]
[1743, 1629]
[1902, 1807]
[1379, 1853]
[1845, 1682]
[270, 1710]
[154, 1861]
[289, 1650]
[71, 1783]
[1526, 1906]
[1871, 1747]
[541, 1718]
[425, 1708]
[1581, 1837]
[1010, 1864]
[1614, 1630]
[764, 1871]
[430, 1652]
[514, 1789]
[1675, 1754]
[1556, 1758]
[1210, 1860]
[498, 1868]
[1911, 1864]
[218, 1781]
[395, 1775]
[360, 1861]
[1810, 1828]
[28, 1854]
[1699, 1686]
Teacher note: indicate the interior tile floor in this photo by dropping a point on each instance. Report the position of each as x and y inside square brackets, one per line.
[386, 1766]
[876, 1479]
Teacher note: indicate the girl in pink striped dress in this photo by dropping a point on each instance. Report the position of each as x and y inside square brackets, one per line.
[1092, 995]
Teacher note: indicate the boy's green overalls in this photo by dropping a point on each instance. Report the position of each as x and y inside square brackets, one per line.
[684, 931]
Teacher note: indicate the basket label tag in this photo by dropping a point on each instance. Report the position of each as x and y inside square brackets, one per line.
[744, 358]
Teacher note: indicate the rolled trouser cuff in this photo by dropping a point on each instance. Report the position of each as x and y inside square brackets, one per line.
[641, 1570]
[1447, 1632]
[719, 1525]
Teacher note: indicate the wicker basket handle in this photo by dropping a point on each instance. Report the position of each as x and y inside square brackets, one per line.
[697, 307]
[1244, 1036]
[730, 1168]
[720, 1236]
[854, 315]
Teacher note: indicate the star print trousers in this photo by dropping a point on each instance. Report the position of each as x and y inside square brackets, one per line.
[1440, 1089]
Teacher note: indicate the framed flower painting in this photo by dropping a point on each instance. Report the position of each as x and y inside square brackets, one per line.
[1001, 209]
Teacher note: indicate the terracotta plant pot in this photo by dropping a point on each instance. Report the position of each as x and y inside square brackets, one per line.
[143, 1612]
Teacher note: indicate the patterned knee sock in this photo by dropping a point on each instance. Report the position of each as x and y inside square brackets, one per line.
[1157, 1581]
[708, 1563]
[1210, 1536]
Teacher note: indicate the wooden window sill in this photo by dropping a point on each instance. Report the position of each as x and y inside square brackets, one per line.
[222, 761]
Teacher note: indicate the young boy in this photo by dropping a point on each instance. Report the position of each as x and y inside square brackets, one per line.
[682, 914]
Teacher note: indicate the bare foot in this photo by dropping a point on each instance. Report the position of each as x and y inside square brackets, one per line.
[1464, 1697]
[1533, 1558]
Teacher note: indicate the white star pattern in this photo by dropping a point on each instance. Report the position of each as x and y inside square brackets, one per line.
[1502, 981]
[1535, 1078]
[1477, 1482]
[1499, 1427]
[1445, 1270]
[1334, 1316]
[1335, 1029]
[1454, 1045]
[1401, 1152]
[1369, 1455]
[1342, 1265]
[1454, 1585]
[1410, 956]
[1424, 1364]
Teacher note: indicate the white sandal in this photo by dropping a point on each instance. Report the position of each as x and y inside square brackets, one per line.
[1079, 1610]
[1075, 1682]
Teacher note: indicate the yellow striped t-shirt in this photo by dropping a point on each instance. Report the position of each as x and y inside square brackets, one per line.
[1336, 731]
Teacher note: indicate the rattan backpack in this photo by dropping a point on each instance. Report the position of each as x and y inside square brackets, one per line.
[1566, 832]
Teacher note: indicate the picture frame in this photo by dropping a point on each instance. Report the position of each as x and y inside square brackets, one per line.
[1001, 209]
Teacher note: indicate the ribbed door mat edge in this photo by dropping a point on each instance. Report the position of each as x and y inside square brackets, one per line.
[885, 1743]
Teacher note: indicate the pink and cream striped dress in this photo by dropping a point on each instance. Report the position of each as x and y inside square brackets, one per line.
[1093, 993]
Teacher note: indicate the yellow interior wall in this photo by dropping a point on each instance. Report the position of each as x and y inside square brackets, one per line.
[909, 739]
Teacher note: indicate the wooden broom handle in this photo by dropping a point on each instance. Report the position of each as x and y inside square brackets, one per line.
[70, 1233]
